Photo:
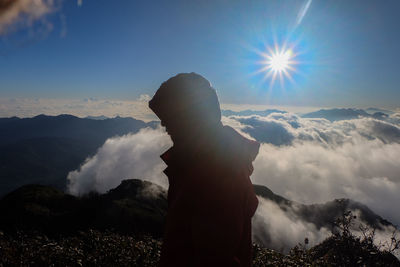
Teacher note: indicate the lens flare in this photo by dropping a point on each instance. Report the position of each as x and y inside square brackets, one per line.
[277, 62]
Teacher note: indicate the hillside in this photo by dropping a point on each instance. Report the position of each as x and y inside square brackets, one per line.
[44, 149]
[67, 126]
[124, 227]
[324, 214]
[138, 206]
[126, 208]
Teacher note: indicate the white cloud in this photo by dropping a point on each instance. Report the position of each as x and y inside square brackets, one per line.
[303, 12]
[289, 128]
[321, 160]
[126, 157]
[281, 230]
[366, 171]
[357, 159]
[16, 13]
[144, 98]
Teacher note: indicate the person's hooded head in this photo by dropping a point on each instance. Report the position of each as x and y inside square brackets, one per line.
[186, 102]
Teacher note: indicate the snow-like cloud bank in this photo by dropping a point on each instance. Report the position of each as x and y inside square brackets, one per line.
[305, 160]
[126, 157]
[279, 229]
[314, 160]
[288, 129]
[282, 227]
[29, 107]
[367, 172]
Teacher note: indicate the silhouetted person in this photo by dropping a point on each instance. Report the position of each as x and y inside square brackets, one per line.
[210, 197]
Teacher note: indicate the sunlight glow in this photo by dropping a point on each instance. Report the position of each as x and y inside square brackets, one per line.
[280, 61]
[277, 63]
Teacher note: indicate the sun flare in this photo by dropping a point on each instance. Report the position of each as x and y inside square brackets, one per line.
[278, 63]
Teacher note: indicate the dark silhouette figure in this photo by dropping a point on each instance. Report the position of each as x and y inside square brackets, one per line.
[210, 197]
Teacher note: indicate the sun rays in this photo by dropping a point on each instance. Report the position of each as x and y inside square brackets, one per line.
[277, 63]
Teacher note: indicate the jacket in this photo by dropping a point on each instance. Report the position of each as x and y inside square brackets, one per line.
[210, 201]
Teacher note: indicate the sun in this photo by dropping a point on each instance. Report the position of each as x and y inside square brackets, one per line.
[277, 62]
[280, 61]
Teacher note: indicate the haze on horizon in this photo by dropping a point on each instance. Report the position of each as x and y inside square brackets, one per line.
[55, 51]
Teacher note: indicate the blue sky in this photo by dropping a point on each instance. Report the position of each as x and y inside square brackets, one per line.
[349, 50]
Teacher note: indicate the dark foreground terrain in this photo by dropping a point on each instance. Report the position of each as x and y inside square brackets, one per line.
[95, 248]
[43, 226]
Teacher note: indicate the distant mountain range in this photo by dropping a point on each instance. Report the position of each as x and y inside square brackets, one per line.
[66, 126]
[44, 149]
[102, 117]
[329, 114]
[374, 110]
[139, 207]
[249, 112]
[344, 114]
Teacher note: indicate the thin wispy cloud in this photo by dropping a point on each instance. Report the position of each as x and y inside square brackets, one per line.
[23, 13]
[303, 12]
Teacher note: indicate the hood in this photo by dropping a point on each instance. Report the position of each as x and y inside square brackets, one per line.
[186, 96]
[225, 145]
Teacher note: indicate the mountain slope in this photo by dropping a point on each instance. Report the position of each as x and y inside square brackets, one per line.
[44, 160]
[376, 110]
[324, 214]
[44, 149]
[67, 126]
[127, 208]
[337, 114]
[137, 205]
[133, 210]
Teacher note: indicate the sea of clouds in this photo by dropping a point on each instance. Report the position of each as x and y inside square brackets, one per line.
[307, 160]
[315, 160]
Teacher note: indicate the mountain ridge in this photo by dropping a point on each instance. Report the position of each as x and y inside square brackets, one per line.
[249, 112]
[137, 239]
[44, 149]
[134, 198]
[337, 114]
